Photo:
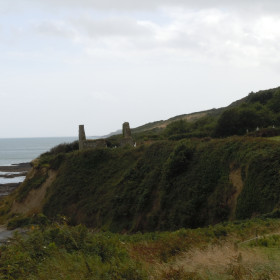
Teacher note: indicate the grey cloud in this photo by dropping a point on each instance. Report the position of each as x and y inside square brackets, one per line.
[83, 30]
[54, 28]
[112, 27]
[214, 33]
[248, 6]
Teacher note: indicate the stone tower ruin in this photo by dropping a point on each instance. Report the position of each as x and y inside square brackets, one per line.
[82, 136]
[127, 138]
[126, 130]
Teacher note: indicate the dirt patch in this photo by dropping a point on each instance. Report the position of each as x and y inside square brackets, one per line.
[34, 201]
[236, 180]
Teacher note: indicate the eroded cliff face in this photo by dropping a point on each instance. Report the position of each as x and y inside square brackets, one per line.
[162, 186]
[34, 201]
[235, 178]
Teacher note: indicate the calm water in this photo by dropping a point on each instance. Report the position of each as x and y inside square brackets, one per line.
[18, 150]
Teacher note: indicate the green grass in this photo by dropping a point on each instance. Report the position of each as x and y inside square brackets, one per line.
[59, 251]
[275, 138]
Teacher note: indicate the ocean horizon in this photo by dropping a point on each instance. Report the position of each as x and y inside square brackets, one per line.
[20, 150]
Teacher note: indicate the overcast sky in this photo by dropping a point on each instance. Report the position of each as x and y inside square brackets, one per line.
[103, 62]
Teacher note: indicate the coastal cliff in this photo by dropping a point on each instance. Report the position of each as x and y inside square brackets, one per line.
[164, 185]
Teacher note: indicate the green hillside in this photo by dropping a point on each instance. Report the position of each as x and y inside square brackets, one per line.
[257, 110]
[165, 185]
[211, 169]
[182, 173]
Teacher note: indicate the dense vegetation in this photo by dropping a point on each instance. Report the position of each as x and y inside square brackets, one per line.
[57, 251]
[165, 185]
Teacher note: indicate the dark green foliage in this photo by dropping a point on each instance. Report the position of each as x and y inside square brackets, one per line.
[177, 127]
[82, 255]
[64, 148]
[262, 96]
[261, 190]
[199, 192]
[38, 219]
[165, 185]
[265, 132]
[179, 159]
[227, 124]
[56, 155]
[63, 252]
[181, 129]
[18, 222]
[274, 102]
[257, 110]
[240, 121]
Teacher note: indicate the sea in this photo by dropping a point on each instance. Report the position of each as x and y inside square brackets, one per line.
[21, 150]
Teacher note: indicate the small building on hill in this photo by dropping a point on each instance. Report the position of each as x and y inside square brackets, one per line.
[102, 143]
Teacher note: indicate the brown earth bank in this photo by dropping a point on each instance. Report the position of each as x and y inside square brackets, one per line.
[33, 203]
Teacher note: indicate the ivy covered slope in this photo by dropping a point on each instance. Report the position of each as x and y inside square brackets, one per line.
[164, 185]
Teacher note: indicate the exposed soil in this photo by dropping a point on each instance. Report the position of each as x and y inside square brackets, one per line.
[237, 182]
[34, 201]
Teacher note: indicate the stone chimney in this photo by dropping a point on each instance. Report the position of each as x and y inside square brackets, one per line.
[82, 136]
[126, 130]
[127, 138]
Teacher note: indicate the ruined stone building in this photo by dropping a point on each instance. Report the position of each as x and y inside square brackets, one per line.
[102, 143]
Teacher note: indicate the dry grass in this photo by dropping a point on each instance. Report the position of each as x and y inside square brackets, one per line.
[225, 261]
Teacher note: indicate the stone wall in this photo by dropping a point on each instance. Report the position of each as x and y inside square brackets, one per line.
[93, 144]
[127, 141]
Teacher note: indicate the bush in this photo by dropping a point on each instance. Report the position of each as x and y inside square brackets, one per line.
[22, 221]
[65, 148]
[62, 252]
[179, 159]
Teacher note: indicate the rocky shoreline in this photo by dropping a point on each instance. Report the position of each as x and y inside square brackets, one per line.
[20, 167]
[10, 172]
